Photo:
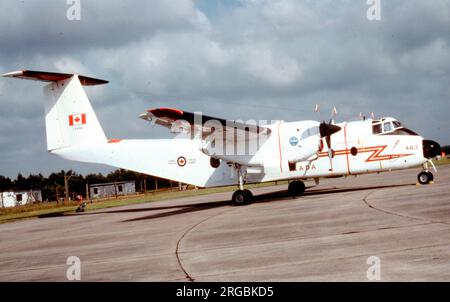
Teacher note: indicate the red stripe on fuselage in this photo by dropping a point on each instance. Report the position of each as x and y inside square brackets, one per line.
[375, 156]
[279, 148]
[114, 140]
[346, 148]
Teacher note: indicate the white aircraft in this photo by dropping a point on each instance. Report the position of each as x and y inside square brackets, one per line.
[210, 152]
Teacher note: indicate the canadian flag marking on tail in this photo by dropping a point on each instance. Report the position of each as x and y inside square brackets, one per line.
[77, 119]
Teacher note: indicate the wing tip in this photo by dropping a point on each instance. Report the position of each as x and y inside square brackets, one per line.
[13, 74]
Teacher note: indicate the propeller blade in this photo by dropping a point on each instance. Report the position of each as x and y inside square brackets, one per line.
[328, 129]
[328, 141]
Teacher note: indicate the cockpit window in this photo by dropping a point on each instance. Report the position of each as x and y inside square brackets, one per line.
[376, 129]
[390, 127]
[397, 124]
[401, 131]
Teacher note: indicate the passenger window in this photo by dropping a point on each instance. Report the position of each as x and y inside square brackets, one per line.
[376, 129]
[387, 127]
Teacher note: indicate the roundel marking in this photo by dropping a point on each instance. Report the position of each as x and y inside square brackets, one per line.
[181, 161]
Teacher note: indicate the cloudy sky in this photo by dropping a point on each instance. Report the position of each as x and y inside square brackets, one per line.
[241, 59]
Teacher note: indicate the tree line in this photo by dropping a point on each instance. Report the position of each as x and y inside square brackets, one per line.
[52, 187]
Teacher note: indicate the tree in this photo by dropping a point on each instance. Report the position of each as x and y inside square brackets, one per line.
[5, 183]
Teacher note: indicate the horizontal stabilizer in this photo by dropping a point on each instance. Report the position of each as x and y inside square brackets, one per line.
[52, 77]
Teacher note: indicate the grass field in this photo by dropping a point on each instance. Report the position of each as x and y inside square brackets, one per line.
[53, 209]
[443, 161]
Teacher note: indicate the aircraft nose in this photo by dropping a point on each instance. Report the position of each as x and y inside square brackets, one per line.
[431, 148]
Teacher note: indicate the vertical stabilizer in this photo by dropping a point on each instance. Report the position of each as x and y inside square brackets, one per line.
[69, 117]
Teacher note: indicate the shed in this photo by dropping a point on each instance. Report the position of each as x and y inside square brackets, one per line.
[112, 189]
[19, 197]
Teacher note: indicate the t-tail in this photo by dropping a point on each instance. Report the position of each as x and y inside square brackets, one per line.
[69, 117]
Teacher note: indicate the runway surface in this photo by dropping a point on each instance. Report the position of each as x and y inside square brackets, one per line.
[326, 235]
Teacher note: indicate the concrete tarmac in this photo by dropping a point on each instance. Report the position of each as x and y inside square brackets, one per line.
[326, 235]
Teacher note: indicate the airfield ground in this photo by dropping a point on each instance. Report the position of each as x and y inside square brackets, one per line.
[326, 235]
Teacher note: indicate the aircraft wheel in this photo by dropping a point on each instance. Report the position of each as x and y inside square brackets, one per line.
[424, 178]
[249, 194]
[241, 197]
[296, 188]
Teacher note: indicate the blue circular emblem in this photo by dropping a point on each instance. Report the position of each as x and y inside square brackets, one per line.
[293, 141]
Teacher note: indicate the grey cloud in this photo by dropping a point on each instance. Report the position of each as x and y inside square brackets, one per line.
[44, 25]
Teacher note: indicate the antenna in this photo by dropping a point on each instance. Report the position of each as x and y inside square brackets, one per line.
[333, 115]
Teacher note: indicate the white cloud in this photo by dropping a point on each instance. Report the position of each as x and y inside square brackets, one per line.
[261, 63]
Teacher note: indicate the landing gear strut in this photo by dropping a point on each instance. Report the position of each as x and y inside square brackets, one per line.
[241, 196]
[296, 188]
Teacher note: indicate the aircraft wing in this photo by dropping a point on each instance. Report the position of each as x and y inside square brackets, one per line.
[182, 121]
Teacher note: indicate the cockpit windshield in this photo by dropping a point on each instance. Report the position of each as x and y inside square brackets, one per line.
[390, 126]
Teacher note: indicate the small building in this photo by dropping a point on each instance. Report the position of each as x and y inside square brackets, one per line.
[112, 189]
[19, 197]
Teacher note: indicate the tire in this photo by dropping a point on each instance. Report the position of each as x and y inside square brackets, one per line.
[431, 176]
[249, 195]
[240, 197]
[296, 188]
[424, 178]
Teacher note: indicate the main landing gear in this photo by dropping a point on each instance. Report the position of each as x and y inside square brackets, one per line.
[244, 196]
[296, 188]
[241, 196]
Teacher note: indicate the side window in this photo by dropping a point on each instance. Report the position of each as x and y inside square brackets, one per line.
[387, 127]
[120, 187]
[95, 191]
[19, 197]
[309, 132]
[376, 129]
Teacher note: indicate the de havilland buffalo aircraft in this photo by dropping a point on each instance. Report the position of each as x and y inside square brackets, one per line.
[209, 152]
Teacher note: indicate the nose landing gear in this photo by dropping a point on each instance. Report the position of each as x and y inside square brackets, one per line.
[425, 177]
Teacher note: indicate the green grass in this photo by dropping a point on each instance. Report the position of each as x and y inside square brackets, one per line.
[52, 209]
[443, 161]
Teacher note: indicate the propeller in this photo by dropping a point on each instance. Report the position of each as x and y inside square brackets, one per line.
[326, 131]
